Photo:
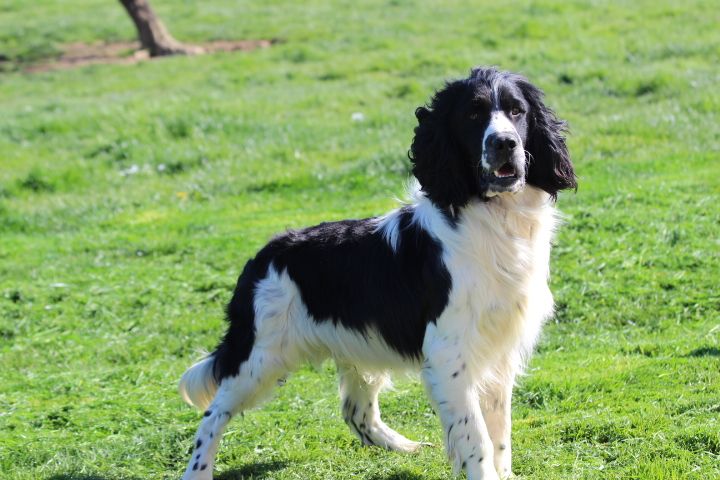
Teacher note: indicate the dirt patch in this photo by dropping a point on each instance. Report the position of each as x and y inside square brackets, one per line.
[80, 54]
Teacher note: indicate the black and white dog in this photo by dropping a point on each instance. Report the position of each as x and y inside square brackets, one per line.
[453, 283]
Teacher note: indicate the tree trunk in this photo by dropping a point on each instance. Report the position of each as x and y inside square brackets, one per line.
[152, 33]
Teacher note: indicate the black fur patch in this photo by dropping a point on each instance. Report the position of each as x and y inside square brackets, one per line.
[236, 346]
[349, 275]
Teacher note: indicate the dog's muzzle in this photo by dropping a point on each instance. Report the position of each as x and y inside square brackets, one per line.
[504, 162]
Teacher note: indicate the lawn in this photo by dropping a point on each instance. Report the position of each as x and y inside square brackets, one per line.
[132, 195]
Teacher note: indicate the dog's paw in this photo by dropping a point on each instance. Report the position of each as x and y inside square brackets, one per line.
[197, 474]
[411, 446]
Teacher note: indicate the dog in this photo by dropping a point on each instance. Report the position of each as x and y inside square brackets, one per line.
[453, 283]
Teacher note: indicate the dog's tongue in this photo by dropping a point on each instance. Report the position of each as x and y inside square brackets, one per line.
[506, 170]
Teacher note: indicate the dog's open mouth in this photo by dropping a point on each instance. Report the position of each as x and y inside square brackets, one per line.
[505, 171]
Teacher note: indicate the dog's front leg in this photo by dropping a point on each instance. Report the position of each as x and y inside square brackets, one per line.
[495, 401]
[454, 395]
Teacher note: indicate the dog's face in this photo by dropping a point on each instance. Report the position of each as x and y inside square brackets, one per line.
[491, 126]
[486, 135]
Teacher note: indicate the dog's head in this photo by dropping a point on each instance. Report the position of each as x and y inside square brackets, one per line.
[486, 135]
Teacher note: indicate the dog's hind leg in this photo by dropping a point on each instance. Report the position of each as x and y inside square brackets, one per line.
[260, 331]
[253, 383]
[360, 409]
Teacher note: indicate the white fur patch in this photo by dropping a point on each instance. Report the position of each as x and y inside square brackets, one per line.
[499, 123]
[389, 226]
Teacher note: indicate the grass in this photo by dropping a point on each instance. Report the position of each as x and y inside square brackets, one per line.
[130, 197]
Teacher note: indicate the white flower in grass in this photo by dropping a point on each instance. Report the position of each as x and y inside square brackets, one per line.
[131, 170]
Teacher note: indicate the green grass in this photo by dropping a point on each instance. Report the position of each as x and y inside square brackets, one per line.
[110, 284]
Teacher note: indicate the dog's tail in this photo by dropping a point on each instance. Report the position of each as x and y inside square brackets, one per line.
[197, 385]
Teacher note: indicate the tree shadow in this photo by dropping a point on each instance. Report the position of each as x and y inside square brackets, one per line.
[705, 352]
[256, 471]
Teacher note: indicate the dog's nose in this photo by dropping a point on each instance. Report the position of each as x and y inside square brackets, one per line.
[500, 148]
[502, 142]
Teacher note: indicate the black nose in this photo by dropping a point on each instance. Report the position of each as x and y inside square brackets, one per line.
[502, 142]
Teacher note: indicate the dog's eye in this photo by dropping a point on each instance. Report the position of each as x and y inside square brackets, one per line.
[515, 111]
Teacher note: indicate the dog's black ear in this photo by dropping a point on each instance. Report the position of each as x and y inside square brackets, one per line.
[437, 161]
[421, 113]
[549, 165]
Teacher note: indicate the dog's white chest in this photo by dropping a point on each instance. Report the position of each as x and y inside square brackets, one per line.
[498, 259]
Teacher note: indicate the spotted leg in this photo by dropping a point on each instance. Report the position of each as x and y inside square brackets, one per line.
[256, 379]
[455, 398]
[495, 401]
[360, 409]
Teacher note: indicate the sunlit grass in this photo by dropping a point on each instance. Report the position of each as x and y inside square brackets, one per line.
[131, 196]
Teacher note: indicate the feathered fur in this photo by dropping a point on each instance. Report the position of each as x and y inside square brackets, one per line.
[454, 284]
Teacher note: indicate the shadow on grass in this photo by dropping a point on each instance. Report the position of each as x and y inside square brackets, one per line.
[79, 476]
[705, 352]
[398, 475]
[256, 471]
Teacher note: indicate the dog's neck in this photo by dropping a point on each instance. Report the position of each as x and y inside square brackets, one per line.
[519, 214]
[523, 214]
[528, 199]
